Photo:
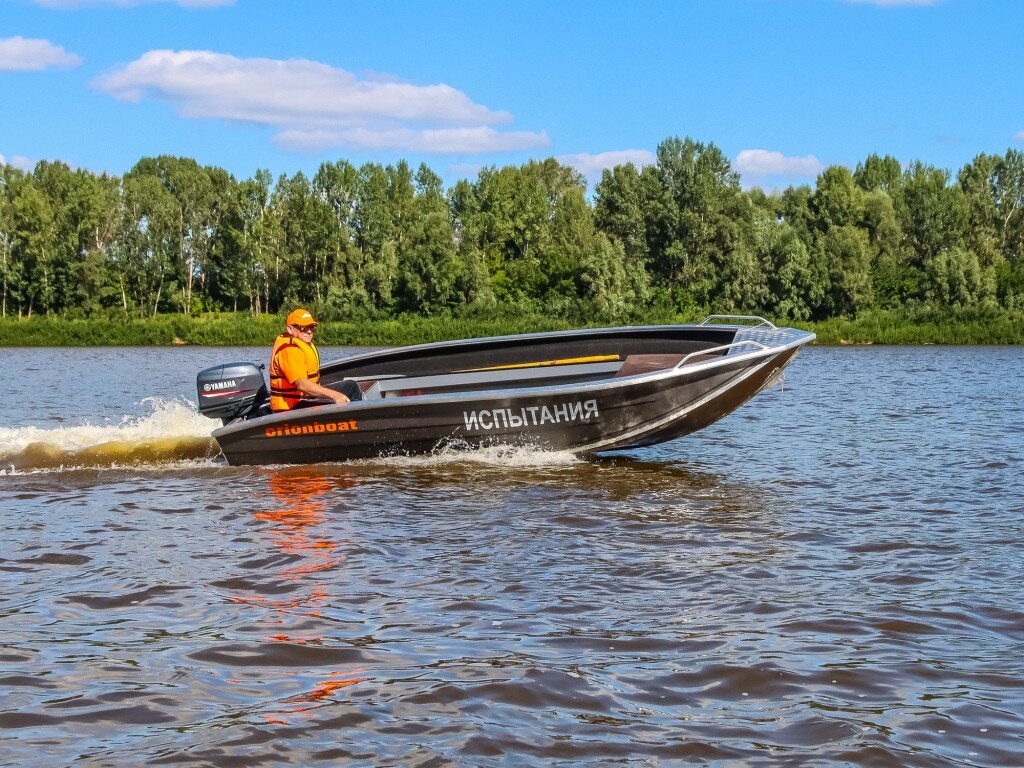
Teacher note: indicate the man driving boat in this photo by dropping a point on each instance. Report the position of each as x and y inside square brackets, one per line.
[295, 369]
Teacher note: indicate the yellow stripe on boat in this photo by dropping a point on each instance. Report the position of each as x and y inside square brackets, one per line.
[542, 363]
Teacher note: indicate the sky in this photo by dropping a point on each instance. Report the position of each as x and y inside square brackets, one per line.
[784, 88]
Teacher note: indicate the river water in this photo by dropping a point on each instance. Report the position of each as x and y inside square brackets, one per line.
[830, 576]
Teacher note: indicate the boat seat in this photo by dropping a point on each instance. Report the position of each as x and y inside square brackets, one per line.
[637, 364]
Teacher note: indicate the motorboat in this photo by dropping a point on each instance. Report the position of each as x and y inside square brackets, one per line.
[585, 391]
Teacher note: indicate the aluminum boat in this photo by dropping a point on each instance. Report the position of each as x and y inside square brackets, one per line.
[584, 391]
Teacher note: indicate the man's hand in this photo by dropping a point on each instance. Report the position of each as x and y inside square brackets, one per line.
[338, 398]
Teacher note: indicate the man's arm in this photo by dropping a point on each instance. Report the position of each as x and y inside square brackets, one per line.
[309, 389]
[293, 365]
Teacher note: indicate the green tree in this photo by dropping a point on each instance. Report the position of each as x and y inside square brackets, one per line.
[621, 209]
[786, 264]
[474, 280]
[796, 211]
[983, 230]
[614, 286]
[55, 183]
[201, 194]
[880, 173]
[429, 265]
[934, 223]
[1009, 278]
[146, 244]
[955, 278]
[310, 240]
[893, 279]
[34, 248]
[843, 267]
[97, 228]
[837, 201]
[338, 185]
[936, 214]
[248, 247]
[1008, 193]
[841, 253]
[85, 208]
[10, 272]
[376, 234]
[696, 222]
[512, 215]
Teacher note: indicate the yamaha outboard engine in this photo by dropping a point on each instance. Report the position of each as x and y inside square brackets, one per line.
[232, 391]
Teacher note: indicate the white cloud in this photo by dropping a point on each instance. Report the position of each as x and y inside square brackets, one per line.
[67, 5]
[592, 165]
[1019, 136]
[893, 3]
[18, 161]
[761, 162]
[436, 141]
[316, 106]
[22, 54]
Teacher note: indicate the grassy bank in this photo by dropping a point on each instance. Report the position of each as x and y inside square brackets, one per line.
[924, 327]
[245, 330]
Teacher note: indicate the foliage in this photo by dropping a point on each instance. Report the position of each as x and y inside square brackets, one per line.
[367, 245]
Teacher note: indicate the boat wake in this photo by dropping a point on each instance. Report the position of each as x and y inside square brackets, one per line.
[506, 456]
[172, 432]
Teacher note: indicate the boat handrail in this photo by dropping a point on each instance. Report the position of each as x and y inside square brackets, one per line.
[760, 320]
[722, 348]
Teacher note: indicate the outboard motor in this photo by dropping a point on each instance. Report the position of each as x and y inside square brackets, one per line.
[232, 391]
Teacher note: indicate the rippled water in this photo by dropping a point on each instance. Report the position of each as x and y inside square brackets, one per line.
[830, 576]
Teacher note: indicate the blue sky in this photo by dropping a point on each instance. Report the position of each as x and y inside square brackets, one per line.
[784, 87]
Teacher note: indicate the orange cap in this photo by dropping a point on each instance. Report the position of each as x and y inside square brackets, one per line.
[301, 317]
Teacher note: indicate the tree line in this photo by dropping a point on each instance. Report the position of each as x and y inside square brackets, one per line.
[378, 240]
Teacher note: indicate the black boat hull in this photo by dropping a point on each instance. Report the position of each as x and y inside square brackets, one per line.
[584, 417]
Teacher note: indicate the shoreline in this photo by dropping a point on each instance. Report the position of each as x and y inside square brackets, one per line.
[888, 328]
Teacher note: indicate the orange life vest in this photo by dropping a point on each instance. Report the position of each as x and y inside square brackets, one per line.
[284, 395]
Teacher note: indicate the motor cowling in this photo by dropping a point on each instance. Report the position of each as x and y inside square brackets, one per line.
[231, 391]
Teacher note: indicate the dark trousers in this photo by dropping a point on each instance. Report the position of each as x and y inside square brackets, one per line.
[347, 387]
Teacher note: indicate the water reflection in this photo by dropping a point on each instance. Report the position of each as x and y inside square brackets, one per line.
[303, 494]
[307, 502]
[638, 484]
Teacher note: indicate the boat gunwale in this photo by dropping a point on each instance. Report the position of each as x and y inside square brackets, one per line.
[383, 351]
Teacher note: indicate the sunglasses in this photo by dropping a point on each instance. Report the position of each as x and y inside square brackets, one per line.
[305, 328]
